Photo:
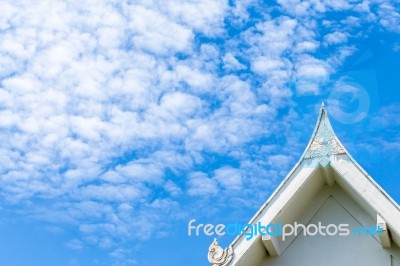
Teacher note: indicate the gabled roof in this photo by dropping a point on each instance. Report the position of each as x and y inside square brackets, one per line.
[324, 162]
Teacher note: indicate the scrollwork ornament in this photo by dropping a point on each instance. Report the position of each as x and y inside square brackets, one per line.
[218, 256]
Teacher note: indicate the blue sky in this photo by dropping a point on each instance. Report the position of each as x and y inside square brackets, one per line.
[122, 120]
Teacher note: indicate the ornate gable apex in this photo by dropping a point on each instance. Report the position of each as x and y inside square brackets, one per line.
[324, 141]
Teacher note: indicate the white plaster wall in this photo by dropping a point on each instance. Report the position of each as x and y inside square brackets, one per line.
[395, 262]
[349, 250]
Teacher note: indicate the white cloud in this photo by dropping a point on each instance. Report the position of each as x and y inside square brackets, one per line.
[280, 161]
[204, 16]
[311, 74]
[231, 62]
[264, 65]
[201, 185]
[307, 46]
[276, 34]
[82, 94]
[153, 32]
[335, 38]
[387, 117]
[110, 193]
[389, 16]
[309, 67]
[229, 178]
[173, 189]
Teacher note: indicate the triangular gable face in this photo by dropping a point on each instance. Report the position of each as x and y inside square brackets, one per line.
[338, 215]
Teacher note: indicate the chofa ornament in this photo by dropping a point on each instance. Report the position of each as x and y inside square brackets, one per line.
[324, 143]
[218, 256]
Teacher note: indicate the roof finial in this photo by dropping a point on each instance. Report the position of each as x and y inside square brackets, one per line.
[324, 142]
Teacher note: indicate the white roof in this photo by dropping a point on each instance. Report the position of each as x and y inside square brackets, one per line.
[324, 162]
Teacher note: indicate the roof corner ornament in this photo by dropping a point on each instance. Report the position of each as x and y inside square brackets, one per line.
[324, 143]
[218, 256]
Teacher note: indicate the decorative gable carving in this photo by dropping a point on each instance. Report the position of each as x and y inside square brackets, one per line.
[218, 256]
[324, 143]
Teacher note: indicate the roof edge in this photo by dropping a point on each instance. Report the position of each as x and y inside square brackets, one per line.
[324, 139]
